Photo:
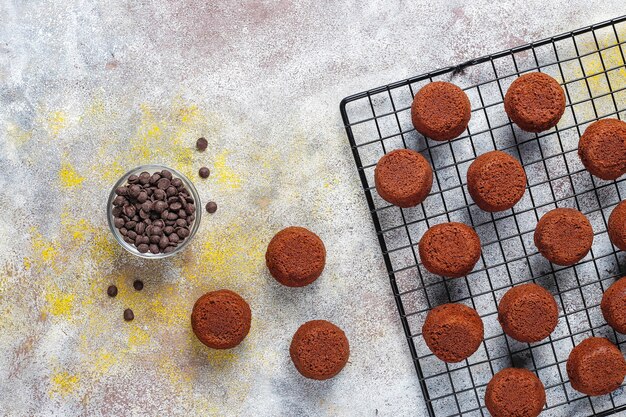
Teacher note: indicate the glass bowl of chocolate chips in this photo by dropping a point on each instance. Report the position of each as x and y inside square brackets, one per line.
[154, 211]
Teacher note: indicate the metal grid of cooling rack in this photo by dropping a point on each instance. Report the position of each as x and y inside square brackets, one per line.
[590, 65]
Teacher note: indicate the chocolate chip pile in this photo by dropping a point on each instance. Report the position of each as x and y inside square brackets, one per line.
[154, 212]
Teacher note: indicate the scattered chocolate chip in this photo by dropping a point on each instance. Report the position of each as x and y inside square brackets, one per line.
[128, 314]
[112, 291]
[138, 284]
[204, 172]
[201, 144]
[211, 207]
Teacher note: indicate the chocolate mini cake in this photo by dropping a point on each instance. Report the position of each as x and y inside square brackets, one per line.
[535, 102]
[221, 319]
[617, 226]
[515, 392]
[602, 148]
[440, 111]
[319, 349]
[528, 313]
[614, 305]
[496, 181]
[295, 256]
[450, 249]
[564, 236]
[403, 177]
[453, 332]
[596, 366]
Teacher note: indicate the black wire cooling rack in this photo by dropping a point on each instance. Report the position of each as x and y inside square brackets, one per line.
[590, 65]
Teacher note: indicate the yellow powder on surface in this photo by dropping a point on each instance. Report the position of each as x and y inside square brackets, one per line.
[223, 174]
[63, 384]
[69, 177]
[57, 121]
[59, 303]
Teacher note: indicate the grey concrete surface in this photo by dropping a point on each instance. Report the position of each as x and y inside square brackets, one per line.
[88, 90]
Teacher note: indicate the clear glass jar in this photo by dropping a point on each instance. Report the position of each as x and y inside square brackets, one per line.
[152, 169]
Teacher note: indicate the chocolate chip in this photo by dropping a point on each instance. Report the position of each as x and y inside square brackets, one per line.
[128, 314]
[172, 216]
[211, 207]
[171, 191]
[174, 238]
[169, 249]
[182, 233]
[143, 248]
[163, 242]
[181, 223]
[140, 228]
[166, 174]
[144, 178]
[176, 182]
[164, 214]
[112, 291]
[159, 194]
[154, 178]
[132, 235]
[156, 230]
[129, 210]
[142, 197]
[201, 144]
[138, 285]
[121, 191]
[154, 248]
[176, 206]
[133, 179]
[168, 230]
[123, 231]
[163, 184]
[130, 225]
[143, 214]
[134, 191]
[147, 206]
[154, 239]
[170, 222]
[117, 211]
[204, 172]
[119, 200]
[118, 222]
[160, 206]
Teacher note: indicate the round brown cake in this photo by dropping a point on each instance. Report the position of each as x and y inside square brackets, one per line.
[221, 319]
[613, 305]
[528, 313]
[403, 177]
[617, 226]
[319, 349]
[563, 236]
[453, 332]
[295, 256]
[596, 366]
[440, 111]
[535, 102]
[496, 181]
[602, 148]
[450, 249]
[515, 392]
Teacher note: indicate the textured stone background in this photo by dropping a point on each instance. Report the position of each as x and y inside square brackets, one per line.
[90, 89]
